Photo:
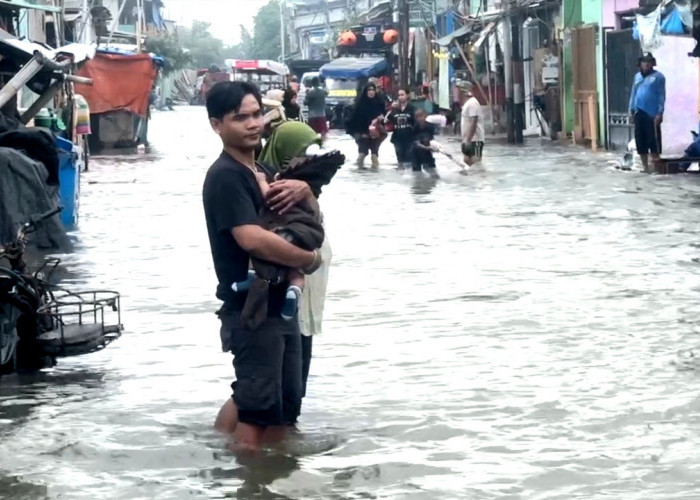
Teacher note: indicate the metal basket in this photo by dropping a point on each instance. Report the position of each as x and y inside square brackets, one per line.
[83, 322]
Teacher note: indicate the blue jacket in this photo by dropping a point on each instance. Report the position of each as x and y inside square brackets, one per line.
[648, 93]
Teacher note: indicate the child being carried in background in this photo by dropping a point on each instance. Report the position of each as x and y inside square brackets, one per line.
[424, 133]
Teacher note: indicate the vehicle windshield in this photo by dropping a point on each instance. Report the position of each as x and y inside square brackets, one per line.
[264, 82]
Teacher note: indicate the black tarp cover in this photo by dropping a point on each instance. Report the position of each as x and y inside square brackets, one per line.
[24, 193]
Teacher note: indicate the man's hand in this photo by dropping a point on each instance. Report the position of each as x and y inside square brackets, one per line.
[658, 120]
[468, 150]
[315, 264]
[284, 194]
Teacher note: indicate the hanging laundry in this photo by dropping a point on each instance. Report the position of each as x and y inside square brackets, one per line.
[649, 29]
[672, 23]
[684, 9]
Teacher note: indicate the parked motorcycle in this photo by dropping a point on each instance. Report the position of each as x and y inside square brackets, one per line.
[40, 322]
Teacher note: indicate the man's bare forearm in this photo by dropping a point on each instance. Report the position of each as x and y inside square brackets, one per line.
[271, 247]
[471, 130]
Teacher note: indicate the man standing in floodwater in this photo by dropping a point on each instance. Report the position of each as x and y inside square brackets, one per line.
[472, 127]
[647, 110]
[315, 100]
[268, 388]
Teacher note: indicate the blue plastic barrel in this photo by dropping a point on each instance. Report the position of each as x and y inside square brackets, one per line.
[69, 182]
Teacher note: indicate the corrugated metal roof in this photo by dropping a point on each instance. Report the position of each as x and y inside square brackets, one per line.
[464, 30]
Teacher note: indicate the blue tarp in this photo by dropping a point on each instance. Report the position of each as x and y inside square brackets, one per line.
[354, 67]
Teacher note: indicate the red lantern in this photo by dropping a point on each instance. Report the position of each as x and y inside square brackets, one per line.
[391, 37]
[347, 39]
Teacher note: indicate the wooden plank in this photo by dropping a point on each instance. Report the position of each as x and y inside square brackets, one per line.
[593, 120]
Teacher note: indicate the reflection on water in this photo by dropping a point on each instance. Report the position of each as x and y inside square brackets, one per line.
[21, 393]
[423, 184]
[525, 332]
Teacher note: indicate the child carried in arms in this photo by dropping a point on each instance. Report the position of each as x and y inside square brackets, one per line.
[302, 226]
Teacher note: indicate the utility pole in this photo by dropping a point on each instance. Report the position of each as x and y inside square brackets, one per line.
[84, 36]
[508, 76]
[283, 32]
[404, 13]
[58, 22]
[115, 23]
[327, 13]
[518, 79]
[139, 13]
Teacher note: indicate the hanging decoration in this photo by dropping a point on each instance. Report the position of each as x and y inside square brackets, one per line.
[648, 30]
[391, 36]
[347, 39]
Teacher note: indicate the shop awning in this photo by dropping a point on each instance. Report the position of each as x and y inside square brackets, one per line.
[445, 41]
[28, 4]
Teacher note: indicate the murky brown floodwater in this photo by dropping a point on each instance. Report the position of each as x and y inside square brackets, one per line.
[524, 333]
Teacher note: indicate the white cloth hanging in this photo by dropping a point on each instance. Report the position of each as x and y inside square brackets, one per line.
[313, 297]
[649, 29]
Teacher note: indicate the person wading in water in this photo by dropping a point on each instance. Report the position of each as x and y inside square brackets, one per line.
[316, 101]
[401, 118]
[369, 109]
[647, 102]
[268, 388]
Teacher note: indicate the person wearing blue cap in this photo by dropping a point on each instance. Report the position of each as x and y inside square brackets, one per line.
[647, 109]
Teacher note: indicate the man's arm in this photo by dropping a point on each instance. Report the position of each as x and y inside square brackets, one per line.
[662, 95]
[271, 247]
[417, 144]
[633, 94]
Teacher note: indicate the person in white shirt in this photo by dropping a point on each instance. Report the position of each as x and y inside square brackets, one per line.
[472, 127]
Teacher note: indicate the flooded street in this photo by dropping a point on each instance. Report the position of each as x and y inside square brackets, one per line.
[526, 332]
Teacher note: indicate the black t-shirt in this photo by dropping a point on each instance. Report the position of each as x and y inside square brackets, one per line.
[424, 133]
[292, 111]
[403, 124]
[232, 198]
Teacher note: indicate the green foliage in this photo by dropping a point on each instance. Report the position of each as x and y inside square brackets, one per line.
[266, 40]
[242, 50]
[168, 46]
[204, 49]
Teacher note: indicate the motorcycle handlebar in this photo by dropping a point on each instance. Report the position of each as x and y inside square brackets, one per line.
[45, 215]
[24, 230]
[31, 225]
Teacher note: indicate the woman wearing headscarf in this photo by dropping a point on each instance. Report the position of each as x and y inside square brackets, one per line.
[291, 107]
[365, 125]
[292, 142]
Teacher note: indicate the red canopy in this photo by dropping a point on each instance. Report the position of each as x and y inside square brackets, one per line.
[119, 82]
